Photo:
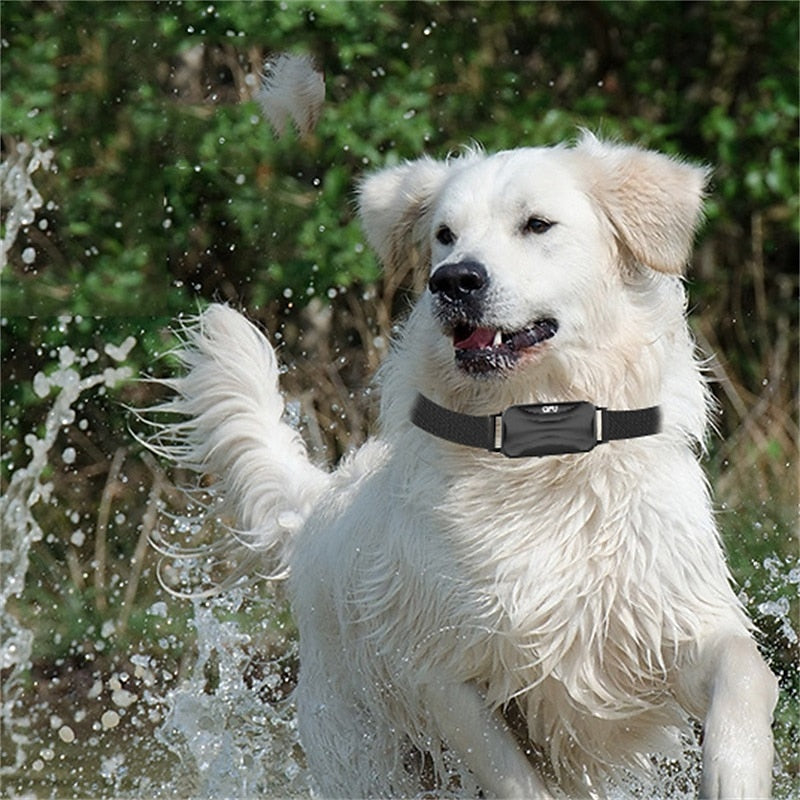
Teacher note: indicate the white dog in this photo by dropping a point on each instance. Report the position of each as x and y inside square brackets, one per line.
[541, 624]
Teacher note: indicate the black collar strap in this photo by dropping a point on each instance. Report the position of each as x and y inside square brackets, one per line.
[536, 430]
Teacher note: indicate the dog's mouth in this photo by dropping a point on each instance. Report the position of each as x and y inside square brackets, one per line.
[482, 351]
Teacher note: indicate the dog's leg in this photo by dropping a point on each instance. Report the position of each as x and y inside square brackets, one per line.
[483, 741]
[739, 693]
[334, 734]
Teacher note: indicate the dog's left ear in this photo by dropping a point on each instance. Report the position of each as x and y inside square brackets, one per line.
[394, 204]
[654, 202]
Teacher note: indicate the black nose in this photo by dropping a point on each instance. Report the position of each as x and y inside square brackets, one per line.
[459, 281]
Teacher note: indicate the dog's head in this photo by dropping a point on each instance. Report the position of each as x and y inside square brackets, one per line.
[528, 251]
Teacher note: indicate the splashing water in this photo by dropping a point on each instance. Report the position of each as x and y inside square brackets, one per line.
[26, 489]
[17, 185]
[221, 726]
[232, 741]
[225, 728]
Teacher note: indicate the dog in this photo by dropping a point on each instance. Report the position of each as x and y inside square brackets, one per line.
[516, 587]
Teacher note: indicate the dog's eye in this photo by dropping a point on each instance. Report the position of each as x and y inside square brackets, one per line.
[536, 225]
[444, 235]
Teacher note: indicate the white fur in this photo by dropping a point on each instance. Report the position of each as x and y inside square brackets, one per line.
[228, 423]
[435, 585]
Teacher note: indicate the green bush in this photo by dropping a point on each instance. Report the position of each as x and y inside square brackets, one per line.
[168, 184]
[167, 189]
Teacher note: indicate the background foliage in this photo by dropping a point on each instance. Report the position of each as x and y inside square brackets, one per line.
[167, 189]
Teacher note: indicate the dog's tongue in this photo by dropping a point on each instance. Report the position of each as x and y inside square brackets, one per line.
[478, 339]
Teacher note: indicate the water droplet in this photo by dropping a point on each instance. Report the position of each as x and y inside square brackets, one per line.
[158, 609]
[120, 352]
[123, 698]
[41, 384]
[66, 356]
[110, 719]
[66, 734]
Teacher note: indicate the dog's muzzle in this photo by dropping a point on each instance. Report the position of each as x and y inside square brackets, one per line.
[460, 291]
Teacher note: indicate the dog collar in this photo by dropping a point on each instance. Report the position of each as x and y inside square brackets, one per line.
[536, 430]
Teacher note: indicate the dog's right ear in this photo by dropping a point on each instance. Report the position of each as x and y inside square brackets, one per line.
[393, 205]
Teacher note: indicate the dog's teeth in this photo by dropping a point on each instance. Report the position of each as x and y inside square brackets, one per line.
[498, 339]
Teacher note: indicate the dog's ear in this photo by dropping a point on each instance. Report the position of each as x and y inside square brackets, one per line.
[654, 202]
[393, 205]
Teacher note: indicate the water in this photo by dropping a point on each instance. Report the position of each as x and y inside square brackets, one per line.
[219, 721]
[114, 687]
[27, 489]
[130, 724]
[16, 183]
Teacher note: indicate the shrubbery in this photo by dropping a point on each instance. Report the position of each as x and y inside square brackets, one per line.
[167, 189]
